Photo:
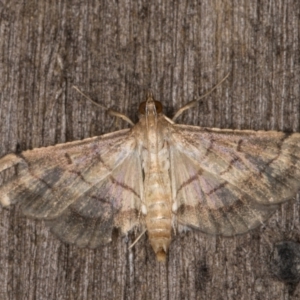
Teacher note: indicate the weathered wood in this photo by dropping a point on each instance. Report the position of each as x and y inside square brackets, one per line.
[115, 51]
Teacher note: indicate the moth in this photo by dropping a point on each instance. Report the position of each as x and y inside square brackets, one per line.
[158, 176]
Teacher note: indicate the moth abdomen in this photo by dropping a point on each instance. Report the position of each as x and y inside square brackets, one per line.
[159, 213]
[159, 225]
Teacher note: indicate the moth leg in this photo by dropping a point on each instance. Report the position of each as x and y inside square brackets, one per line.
[194, 102]
[137, 239]
[174, 223]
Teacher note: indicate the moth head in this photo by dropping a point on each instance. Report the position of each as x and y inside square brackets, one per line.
[150, 105]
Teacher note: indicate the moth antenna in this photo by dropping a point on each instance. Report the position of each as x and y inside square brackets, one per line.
[111, 112]
[194, 102]
[137, 239]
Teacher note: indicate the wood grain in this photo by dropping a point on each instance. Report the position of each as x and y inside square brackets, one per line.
[115, 51]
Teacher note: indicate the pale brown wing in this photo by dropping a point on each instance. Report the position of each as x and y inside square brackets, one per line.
[229, 181]
[83, 189]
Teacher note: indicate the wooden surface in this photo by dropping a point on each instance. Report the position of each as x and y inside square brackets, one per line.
[115, 51]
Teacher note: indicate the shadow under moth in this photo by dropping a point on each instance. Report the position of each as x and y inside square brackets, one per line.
[158, 176]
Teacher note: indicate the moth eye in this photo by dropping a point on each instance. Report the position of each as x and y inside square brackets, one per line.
[158, 106]
[142, 107]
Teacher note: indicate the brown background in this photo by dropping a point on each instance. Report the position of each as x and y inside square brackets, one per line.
[115, 51]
